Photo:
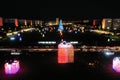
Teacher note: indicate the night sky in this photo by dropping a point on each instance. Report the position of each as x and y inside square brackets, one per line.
[66, 9]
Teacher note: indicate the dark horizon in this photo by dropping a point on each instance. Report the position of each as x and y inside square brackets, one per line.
[63, 9]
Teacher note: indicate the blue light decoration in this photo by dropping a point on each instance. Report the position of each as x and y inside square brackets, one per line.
[107, 52]
[90, 30]
[78, 30]
[30, 30]
[20, 39]
[18, 34]
[12, 38]
[44, 32]
[75, 32]
[60, 28]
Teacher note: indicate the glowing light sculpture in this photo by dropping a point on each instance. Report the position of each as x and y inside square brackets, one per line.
[116, 64]
[12, 68]
[60, 28]
[65, 53]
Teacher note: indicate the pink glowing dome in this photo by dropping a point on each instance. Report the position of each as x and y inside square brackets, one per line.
[116, 64]
[12, 67]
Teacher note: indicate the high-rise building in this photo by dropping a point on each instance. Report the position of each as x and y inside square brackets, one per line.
[116, 24]
[107, 24]
[1, 21]
[57, 21]
[25, 22]
[38, 22]
[16, 22]
[111, 24]
[94, 22]
[21, 22]
[31, 22]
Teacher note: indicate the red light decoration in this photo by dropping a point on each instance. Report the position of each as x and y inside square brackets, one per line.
[1, 21]
[16, 22]
[65, 53]
[62, 56]
[94, 22]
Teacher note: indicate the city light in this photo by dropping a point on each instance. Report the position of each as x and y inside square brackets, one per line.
[18, 34]
[9, 34]
[13, 52]
[74, 42]
[108, 40]
[108, 53]
[46, 42]
[20, 39]
[12, 38]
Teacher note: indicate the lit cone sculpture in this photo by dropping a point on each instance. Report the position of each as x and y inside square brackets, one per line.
[60, 28]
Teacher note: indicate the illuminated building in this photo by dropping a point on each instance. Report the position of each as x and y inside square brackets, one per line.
[111, 24]
[9, 22]
[116, 24]
[65, 53]
[103, 24]
[31, 23]
[94, 22]
[57, 21]
[38, 23]
[1, 21]
[25, 22]
[16, 22]
[107, 24]
[21, 22]
[86, 21]
[12, 67]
